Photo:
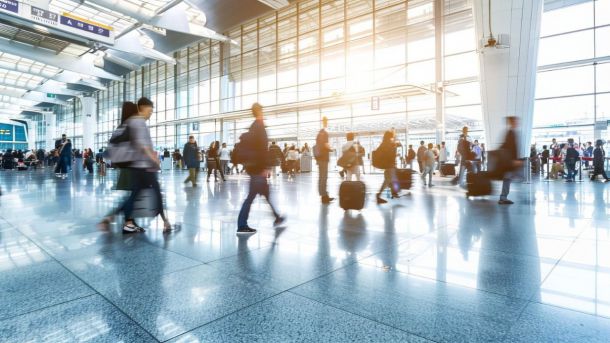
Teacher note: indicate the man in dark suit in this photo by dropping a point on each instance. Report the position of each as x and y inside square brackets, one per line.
[511, 148]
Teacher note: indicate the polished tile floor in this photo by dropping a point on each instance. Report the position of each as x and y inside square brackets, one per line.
[430, 266]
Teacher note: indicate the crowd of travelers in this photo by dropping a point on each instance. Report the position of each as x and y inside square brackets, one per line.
[130, 150]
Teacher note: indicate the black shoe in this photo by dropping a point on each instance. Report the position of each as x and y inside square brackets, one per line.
[128, 229]
[395, 196]
[279, 221]
[381, 201]
[327, 200]
[246, 231]
[505, 202]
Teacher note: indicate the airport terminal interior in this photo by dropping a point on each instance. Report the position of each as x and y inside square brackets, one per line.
[304, 171]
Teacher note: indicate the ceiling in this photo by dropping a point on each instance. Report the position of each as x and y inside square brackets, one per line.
[41, 66]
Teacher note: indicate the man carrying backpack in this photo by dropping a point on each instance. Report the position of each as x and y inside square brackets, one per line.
[322, 151]
[253, 152]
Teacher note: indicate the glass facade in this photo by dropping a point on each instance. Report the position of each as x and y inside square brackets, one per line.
[573, 83]
[311, 50]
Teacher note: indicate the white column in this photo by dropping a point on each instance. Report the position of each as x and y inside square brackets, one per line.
[88, 118]
[508, 76]
[51, 130]
[32, 129]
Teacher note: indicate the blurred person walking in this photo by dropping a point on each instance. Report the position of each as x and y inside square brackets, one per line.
[511, 154]
[599, 156]
[191, 156]
[385, 158]
[428, 162]
[253, 152]
[136, 153]
[321, 152]
[224, 157]
[213, 156]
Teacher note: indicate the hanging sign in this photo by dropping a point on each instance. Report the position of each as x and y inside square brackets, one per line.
[9, 5]
[66, 22]
[89, 26]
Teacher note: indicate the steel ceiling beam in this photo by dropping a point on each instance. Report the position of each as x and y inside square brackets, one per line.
[78, 65]
[32, 96]
[64, 76]
[46, 87]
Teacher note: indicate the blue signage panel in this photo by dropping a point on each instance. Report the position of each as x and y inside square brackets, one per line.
[6, 132]
[9, 5]
[81, 25]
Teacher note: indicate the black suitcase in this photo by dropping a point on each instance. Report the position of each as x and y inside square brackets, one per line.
[448, 169]
[478, 184]
[352, 195]
[405, 178]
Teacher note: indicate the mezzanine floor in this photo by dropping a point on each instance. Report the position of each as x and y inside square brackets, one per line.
[431, 266]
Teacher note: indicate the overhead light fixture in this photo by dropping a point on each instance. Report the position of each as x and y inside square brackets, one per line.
[275, 4]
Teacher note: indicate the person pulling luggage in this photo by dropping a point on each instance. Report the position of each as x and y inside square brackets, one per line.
[385, 158]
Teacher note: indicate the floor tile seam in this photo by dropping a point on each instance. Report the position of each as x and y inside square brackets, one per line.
[568, 309]
[361, 316]
[448, 283]
[553, 268]
[228, 314]
[93, 293]
[433, 303]
[88, 285]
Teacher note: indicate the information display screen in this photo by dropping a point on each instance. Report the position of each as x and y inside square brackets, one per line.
[6, 132]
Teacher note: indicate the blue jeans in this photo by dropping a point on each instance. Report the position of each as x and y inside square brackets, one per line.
[258, 185]
[571, 169]
[64, 164]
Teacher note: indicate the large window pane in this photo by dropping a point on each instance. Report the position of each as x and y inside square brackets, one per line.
[390, 48]
[566, 19]
[603, 77]
[570, 81]
[461, 66]
[602, 41]
[569, 47]
[564, 111]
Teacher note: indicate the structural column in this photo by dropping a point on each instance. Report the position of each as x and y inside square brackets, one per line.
[50, 133]
[88, 120]
[508, 75]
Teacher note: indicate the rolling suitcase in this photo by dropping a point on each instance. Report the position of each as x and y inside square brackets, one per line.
[405, 178]
[478, 184]
[448, 169]
[352, 195]
[306, 163]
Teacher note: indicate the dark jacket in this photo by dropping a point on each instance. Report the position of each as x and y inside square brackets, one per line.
[321, 141]
[510, 148]
[598, 160]
[190, 155]
[258, 141]
[387, 150]
[276, 155]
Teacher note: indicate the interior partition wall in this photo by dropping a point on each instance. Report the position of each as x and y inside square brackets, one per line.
[310, 50]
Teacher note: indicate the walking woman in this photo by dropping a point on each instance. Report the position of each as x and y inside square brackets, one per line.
[191, 156]
[214, 161]
[143, 167]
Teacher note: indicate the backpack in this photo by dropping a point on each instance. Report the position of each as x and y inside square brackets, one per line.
[464, 149]
[242, 152]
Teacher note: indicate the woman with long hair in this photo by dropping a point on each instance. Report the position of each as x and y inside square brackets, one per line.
[129, 109]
